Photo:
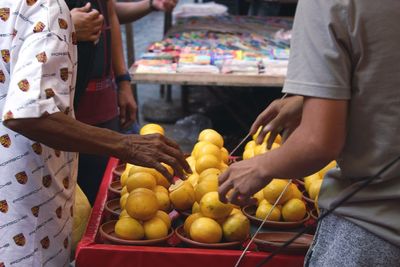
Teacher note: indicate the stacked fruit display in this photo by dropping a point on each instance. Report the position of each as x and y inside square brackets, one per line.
[144, 200]
[211, 220]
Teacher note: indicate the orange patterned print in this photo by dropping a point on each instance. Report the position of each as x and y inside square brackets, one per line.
[5, 140]
[4, 13]
[63, 24]
[21, 177]
[19, 240]
[45, 242]
[35, 211]
[59, 212]
[39, 27]
[64, 74]
[5, 54]
[46, 181]
[24, 85]
[37, 148]
[31, 2]
[42, 57]
[3, 206]
[2, 77]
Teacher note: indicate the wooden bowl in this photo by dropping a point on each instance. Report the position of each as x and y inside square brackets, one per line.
[113, 207]
[223, 245]
[117, 172]
[250, 212]
[115, 187]
[314, 214]
[108, 235]
[308, 199]
[270, 241]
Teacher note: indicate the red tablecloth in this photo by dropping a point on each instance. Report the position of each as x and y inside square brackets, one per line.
[91, 251]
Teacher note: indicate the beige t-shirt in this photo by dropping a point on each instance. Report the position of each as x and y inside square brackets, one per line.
[37, 183]
[349, 49]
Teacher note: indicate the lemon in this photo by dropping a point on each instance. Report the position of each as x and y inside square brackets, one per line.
[135, 169]
[205, 187]
[205, 162]
[310, 179]
[205, 230]
[189, 220]
[163, 200]
[129, 228]
[182, 195]
[314, 189]
[193, 179]
[195, 207]
[122, 201]
[141, 180]
[236, 227]
[259, 196]
[324, 170]
[165, 217]
[264, 208]
[250, 145]
[248, 153]
[155, 228]
[206, 172]
[210, 177]
[257, 133]
[123, 214]
[124, 176]
[197, 147]
[161, 180]
[169, 168]
[274, 189]
[124, 191]
[223, 166]
[212, 207]
[151, 128]
[236, 210]
[142, 204]
[213, 137]
[260, 149]
[294, 210]
[296, 193]
[224, 155]
[209, 149]
[160, 189]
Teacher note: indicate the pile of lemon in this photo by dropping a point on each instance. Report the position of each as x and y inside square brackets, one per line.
[251, 149]
[144, 200]
[211, 220]
[313, 182]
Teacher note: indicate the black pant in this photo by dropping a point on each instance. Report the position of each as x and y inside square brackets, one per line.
[91, 167]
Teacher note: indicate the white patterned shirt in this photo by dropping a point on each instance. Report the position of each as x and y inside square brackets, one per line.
[37, 183]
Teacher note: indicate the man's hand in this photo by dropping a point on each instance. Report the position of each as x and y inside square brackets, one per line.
[150, 150]
[245, 179]
[87, 23]
[127, 105]
[281, 115]
[165, 5]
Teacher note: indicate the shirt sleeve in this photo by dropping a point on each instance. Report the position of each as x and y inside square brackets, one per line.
[320, 62]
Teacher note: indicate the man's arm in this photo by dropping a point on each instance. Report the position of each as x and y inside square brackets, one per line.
[64, 133]
[126, 102]
[131, 11]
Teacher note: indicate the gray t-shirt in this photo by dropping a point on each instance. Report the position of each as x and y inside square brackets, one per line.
[349, 50]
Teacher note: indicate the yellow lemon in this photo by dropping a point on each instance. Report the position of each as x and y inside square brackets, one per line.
[259, 196]
[204, 132]
[236, 227]
[310, 179]
[160, 189]
[248, 153]
[135, 169]
[324, 170]
[129, 228]
[294, 210]
[195, 207]
[205, 230]
[236, 210]
[155, 228]
[205, 187]
[122, 201]
[165, 217]
[250, 145]
[189, 220]
[224, 155]
[124, 191]
[197, 147]
[164, 202]
[210, 177]
[314, 189]
[161, 180]
[264, 208]
[124, 177]
[296, 193]
[151, 128]
[274, 189]
[182, 195]
[213, 137]
[169, 168]
[206, 172]
[212, 207]
[223, 167]
[123, 214]
[193, 179]
[206, 162]
[142, 204]
[141, 180]
[257, 133]
[209, 149]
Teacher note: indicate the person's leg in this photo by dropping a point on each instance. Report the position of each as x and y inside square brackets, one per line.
[339, 243]
[91, 167]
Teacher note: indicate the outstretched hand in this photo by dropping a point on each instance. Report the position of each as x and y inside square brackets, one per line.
[152, 149]
[88, 23]
[281, 115]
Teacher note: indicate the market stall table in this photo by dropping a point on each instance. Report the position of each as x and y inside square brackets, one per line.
[91, 251]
